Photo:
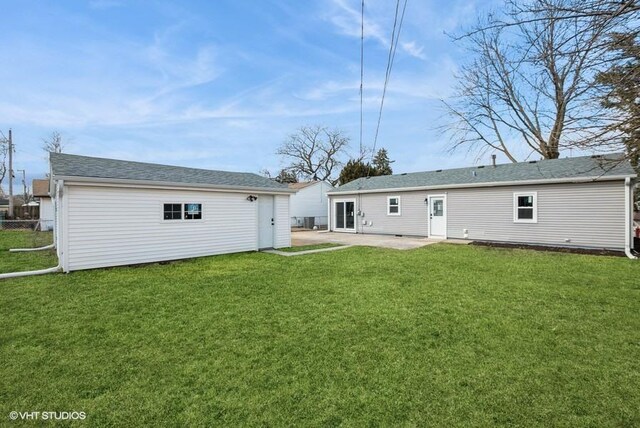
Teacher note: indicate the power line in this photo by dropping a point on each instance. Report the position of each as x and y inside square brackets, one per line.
[395, 36]
[361, 71]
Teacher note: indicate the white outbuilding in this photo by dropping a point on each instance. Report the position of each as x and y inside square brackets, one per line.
[113, 212]
[309, 204]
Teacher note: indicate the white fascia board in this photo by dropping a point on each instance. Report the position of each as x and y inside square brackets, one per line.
[488, 184]
[147, 184]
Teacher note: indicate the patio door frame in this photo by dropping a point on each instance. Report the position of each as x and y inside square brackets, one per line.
[444, 214]
[335, 215]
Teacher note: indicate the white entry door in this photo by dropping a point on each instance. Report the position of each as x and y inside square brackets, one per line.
[265, 221]
[437, 217]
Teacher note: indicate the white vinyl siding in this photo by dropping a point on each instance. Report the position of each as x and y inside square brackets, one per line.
[310, 201]
[589, 215]
[413, 220]
[46, 213]
[108, 226]
[579, 214]
[282, 224]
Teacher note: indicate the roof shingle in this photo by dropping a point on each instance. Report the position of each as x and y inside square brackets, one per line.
[66, 165]
[578, 167]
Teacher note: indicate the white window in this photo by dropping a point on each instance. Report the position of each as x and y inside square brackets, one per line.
[525, 207]
[393, 205]
[182, 211]
[193, 211]
[172, 212]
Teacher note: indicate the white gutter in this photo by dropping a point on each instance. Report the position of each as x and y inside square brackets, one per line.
[628, 217]
[118, 182]
[486, 184]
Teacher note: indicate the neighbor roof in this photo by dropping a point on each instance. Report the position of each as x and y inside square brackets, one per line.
[584, 167]
[40, 188]
[302, 185]
[68, 166]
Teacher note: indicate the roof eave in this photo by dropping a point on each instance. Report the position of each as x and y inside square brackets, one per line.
[487, 184]
[70, 179]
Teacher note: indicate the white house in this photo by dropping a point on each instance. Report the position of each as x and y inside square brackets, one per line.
[582, 202]
[41, 192]
[113, 212]
[309, 201]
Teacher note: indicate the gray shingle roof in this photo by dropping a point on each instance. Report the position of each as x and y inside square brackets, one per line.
[583, 167]
[66, 165]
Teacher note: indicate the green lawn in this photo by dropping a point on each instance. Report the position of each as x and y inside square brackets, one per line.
[445, 335]
[14, 262]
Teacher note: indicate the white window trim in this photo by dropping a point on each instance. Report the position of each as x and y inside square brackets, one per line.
[182, 212]
[389, 205]
[191, 220]
[535, 207]
[332, 209]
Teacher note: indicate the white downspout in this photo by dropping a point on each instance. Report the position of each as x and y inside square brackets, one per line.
[31, 272]
[628, 217]
[24, 250]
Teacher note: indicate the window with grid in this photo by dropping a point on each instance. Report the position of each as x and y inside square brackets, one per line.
[192, 211]
[172, 211]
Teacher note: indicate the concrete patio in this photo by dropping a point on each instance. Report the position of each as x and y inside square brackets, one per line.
[385, 241]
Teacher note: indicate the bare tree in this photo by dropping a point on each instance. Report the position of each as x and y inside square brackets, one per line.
[53, 143]
[530, 88]
[314, 153]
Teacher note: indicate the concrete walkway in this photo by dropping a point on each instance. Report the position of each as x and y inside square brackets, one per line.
[385, 241]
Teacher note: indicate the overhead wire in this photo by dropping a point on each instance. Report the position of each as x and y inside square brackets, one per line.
[395, 36]
[361, 72]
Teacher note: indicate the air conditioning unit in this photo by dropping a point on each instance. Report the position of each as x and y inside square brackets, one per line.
[309, 222]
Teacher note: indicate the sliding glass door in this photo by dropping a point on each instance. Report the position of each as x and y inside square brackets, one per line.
[345, 216]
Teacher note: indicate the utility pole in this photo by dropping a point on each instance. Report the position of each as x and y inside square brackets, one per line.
[10, 176]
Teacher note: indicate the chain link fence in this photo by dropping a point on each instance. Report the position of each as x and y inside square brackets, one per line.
[27, 225]
[309, 223]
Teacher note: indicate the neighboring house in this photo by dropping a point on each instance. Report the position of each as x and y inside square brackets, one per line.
[309, 202]
[113, 212]
[41, 194]
[573, 202]
[4, 205]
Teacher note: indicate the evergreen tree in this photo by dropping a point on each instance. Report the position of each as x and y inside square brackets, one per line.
[381, 163]
[622, 83]
[355, 169]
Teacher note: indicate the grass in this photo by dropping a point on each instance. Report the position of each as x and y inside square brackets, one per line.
[439, 336]
[310, 247]
[15, 262]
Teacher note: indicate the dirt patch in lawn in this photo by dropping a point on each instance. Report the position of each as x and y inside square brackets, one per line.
[594, 252]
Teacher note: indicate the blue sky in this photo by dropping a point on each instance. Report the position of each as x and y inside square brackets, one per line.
[220, 84]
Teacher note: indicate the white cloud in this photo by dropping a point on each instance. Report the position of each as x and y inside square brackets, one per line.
[348, 21]
[413, 49]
